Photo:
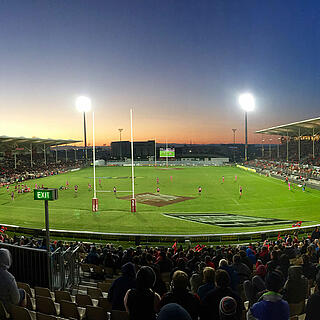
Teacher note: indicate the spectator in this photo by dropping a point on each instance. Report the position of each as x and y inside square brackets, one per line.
[313, 304]
[228, 309]
[210, 304]
[92, 257]
[121, 285]
[272, 306]
[296, 287]
[173, 311]
[141, 303]
[180, 294]
[196, 279]
[243, 271]
[208, 279]
[9, 292]
[223, 264]
[315, 234]
[164, 263]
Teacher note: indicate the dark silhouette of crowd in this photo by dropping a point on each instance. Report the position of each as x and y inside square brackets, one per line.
[269, 280]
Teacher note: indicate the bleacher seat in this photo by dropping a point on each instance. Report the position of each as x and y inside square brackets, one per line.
[44, 292]
[20, 313]
[3, 312]
[94, 293]
[95, 313]
[105, 304]
[46, 305]
[83, 300]
[62, 295]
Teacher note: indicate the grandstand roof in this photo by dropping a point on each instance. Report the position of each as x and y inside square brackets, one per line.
[307, 128]
[20, 141]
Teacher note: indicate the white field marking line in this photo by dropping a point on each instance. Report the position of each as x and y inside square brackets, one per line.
[111, 191]
[236, 202]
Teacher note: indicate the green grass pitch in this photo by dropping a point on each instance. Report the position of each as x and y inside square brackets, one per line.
[262, 197]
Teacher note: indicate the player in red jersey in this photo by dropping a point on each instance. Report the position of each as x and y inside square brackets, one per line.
[158, 189]
[89, 187]
[157, 180]
[222, 179]
[199, 190]
[99, 182]
[240, 191]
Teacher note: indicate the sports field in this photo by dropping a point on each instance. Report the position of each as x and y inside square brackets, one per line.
[266, 203]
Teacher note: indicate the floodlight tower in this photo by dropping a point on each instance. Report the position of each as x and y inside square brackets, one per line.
[247, 103]
[83, 104]
[234, 144]
[120, 130]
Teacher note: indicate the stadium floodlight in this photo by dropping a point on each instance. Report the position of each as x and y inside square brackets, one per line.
[83, 104]
[247, 103]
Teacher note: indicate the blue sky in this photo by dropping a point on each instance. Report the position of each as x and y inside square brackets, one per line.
[180, 64]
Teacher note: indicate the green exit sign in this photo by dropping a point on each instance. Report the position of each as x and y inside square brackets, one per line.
[46, 194]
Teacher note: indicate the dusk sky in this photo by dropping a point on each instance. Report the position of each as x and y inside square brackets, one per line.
[179, 64]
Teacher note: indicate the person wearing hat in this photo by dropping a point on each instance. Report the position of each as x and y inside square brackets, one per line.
[211, 303]
[179, 293]
[228, 309]
[141, 302]
[173, 311]
[271, 305]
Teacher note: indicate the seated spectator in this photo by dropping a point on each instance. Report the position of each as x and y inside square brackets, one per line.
[255, 287]
[196, 279]
[272, 306]
[164, 263]
[223, 264]
[243, 271]
[296, 287]
[180, 294]
[208, 279]
[228, 309]
[173, 311]
[141, 303]
[210, 304]
[9, 292]
[92, 257]
[313, 304]
[121, 285]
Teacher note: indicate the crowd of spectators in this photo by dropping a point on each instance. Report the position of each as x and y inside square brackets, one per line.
[303, 170]
[22, 171]
[207, 282]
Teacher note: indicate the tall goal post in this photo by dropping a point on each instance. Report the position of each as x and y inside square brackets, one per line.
[133, 199]
[94, 199]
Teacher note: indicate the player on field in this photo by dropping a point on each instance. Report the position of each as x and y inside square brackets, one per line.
[199, 190]
[89, 187]
[222, 179]
[157, 180]
[240, 191]
[235, 178]
[287, 180]
[99, 182]
[76, 188]
[289, 186]
[114, 190]
[12, 195]
[158, 189]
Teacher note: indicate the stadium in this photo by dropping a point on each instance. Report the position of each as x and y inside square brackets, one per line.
[159, 160]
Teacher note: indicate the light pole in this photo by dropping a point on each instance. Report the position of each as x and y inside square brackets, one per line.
[270, 148]
[234, 144]
[278, 148]
[83, 104]
[120, 130]
[246, 101]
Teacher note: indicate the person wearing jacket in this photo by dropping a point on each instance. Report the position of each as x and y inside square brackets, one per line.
[9, 292]
[296, 287]
[271, 304]
[121, 285]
